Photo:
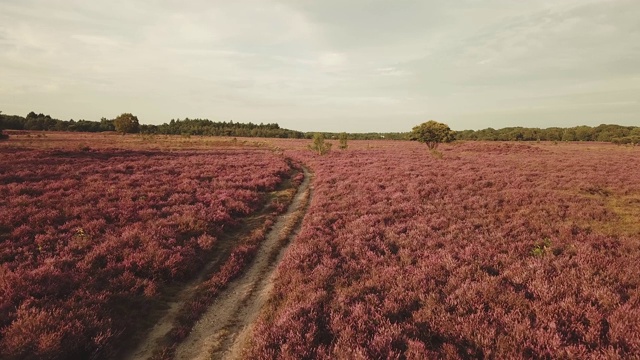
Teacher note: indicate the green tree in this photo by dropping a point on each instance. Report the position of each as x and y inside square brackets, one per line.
[432, 133]
[343, 141]
[126, 123]
[106, 125]
[319, 146]
[584, 133]
[3, 136]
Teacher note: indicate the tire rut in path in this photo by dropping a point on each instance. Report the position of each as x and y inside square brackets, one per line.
[146, 346]
[224, 329]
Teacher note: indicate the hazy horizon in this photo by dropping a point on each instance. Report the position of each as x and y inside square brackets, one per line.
[355, 66]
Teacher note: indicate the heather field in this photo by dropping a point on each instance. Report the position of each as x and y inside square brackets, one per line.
[482, 250]
[489, 250]
[91, 239]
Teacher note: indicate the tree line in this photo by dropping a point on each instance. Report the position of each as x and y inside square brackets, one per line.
[604, 132]
[207, 127]
[41, 122]
[35, 121]
[203, 127]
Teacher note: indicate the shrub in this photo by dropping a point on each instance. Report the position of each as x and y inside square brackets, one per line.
[343, 141]
[319, 146]
[633, 140]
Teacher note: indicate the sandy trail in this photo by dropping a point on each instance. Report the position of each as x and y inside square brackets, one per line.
[224, 329]
[148, 344]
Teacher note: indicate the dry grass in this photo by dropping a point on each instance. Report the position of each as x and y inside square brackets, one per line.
[110, 140]
[627, 209]
[624, 208]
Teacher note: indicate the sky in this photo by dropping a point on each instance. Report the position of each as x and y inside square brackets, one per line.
[326, 65]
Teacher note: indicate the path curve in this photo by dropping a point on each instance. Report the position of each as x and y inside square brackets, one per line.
[223, 331]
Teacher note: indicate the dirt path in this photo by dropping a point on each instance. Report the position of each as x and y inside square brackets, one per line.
[148, 344]
[223, 330]
[236, 306]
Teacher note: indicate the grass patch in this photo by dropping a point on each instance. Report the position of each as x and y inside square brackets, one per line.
[627, 209]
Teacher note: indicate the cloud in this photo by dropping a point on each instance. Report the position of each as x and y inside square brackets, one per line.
[391, 71]
[331, 60]
[323, 64]
[99, 41]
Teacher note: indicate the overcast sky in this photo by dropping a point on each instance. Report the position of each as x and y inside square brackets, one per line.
[327, 65]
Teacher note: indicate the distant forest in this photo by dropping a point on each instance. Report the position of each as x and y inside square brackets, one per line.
[187, 126]
[204, 127]
[608, 133]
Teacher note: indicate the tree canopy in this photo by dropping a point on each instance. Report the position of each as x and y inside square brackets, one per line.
[126, 123]
[432, 133]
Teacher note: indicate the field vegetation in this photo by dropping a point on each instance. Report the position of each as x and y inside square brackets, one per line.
[90, 239]
[494, 250]
[488, 250]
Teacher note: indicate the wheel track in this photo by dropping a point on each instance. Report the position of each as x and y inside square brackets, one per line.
[223, 331]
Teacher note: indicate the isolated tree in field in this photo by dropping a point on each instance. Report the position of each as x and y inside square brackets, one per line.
[126, 123]
[432, 133]
[343, 141]
[319, 146]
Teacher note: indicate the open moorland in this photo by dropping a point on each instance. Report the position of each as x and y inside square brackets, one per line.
[486, 250]
[92, 239]
[479, 250]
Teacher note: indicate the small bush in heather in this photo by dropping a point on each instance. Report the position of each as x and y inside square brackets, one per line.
[542, 248]
[343, 141]
[319, 146]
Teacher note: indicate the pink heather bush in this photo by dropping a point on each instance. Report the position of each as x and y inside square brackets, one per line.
[493, 251]
[89, 239]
